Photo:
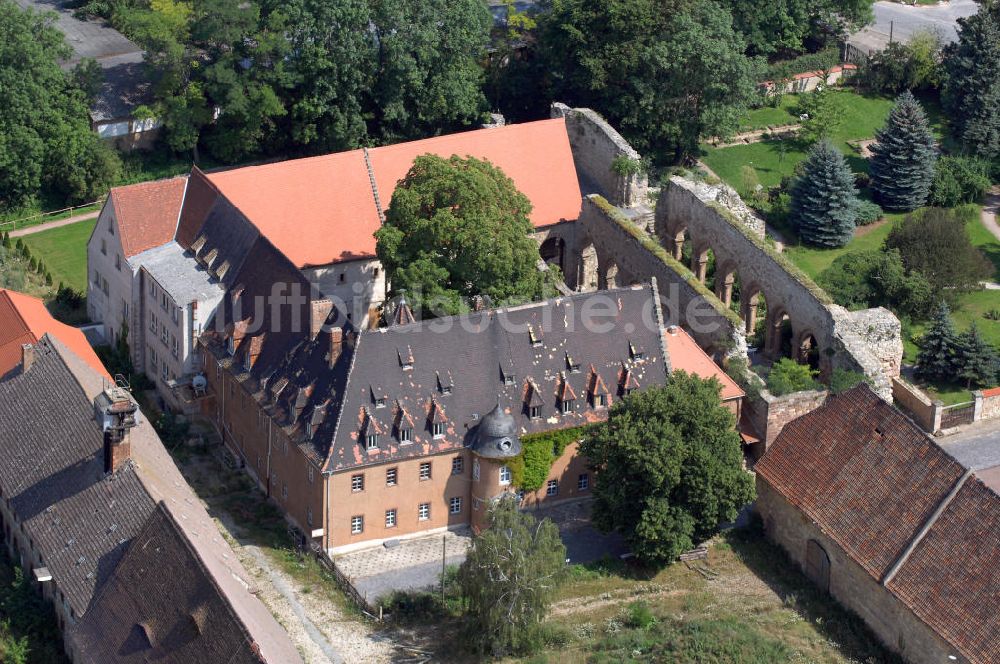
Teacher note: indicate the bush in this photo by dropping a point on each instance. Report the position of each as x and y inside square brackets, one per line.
[959, 180]
[875, 278]
[407, 606]
[639, 616]
[842, 380]
[868, 213]
[787, 376]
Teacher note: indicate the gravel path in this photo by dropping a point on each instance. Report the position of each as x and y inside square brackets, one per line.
[31, 230]
[989, 214]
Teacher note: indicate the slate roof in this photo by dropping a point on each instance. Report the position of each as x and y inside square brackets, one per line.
[372, 380]
[147, 213]
[52, 474]
[873, 482]
[865, 473]
[24, 320]
[325, 209]
[161, 604]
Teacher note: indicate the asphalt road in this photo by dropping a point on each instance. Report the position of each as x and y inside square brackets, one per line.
[976, 447]
[905, 20]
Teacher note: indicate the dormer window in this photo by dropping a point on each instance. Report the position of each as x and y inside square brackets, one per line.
[406, 358]
[534, 338]
[445, 383]
[371, 442]
[567, 406]
[535, 412]
[636, 352]
[406, 435]
[231, 346]
[600, 401]
[508, 378]
[437, 429]
[571, 364]
[380, 402]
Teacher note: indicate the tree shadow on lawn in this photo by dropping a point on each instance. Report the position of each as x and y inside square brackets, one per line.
[772, 565]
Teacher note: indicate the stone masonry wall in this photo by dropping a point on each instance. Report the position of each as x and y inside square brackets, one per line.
[713, 217]
[686, 301]
[891, 621]
[596, 145]
[769, 414]
[990, 407]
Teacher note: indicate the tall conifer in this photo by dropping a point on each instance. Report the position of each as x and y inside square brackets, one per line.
[903, 157]
[937, 358]
[824, 200]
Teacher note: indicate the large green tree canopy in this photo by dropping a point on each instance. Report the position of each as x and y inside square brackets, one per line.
[971, 93]
[45, 135]
[664, 72]
[458, 228]
[776, 26]
[669, 467]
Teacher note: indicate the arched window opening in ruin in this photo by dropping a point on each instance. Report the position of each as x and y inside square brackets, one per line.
[674, 243]
[807, 351]
[703, 265]
[553, 252]
[778, 335]
[753, 311]
[725, 283]
[610, 276]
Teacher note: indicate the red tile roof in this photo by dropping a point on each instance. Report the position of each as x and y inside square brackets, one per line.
[322, 210]
[25, 320]
[535, 155]
[147, 213]
[872, 481]
[686, 355]
[863, 472]
[951, 581]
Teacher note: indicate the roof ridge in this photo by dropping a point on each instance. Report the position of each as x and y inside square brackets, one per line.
[343, 403]
[374, 184]
[922, 533]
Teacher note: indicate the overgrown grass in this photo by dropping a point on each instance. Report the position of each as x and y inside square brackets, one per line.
[64, 252]
[746, 603]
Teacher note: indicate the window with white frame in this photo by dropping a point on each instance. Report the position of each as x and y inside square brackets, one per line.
[425, 470]
[505, 476]
[405, 435]
[371, 441]
[391, 477]
[357, 483]
[567, 405]
[583, 482]
[455, 505]
[438, 430]
[457, 465]
[423, 511]
[552, 489]
[535, 412]
[390, 518]
[357, 525]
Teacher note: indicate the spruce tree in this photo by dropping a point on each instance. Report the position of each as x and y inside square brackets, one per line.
[903, 157]
[937, 357]
[971, 93]
[977, 359]
[824, 200]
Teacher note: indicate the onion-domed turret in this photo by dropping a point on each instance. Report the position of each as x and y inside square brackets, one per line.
[496, 436]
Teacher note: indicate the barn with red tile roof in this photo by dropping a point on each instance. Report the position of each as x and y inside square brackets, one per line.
[895, 528]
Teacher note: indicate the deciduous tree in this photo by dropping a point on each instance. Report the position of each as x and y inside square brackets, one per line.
[669, 468]
[824, 200]
[458, 228]
[903, 157]
[509, 578]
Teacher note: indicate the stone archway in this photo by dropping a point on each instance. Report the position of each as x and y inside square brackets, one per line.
[806, 350]
[700, 261]
[725, 277]
[609, 276]
[752, 299]
[587, 275]
[553, 252]
[778, 333]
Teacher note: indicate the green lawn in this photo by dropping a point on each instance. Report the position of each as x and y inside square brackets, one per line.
[762, 118]
[860, 117]
[64, 252]
[813, 261]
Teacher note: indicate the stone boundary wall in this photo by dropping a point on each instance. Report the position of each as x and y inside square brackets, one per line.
[923, 411]
[769, 414]
[596, 145]
[686, 301]
[715, 217]
[987, 403]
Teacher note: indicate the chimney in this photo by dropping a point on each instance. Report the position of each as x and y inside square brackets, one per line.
[319, 311]
[116, 412]
[27, 357]
[336, 344]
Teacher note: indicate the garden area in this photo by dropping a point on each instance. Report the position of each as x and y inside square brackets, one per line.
[894, 222]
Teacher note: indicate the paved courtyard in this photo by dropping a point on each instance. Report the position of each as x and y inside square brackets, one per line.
[976, 446]
[416, 564]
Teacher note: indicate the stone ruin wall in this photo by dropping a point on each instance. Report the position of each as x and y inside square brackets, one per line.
[868, 341]
[596, 145]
